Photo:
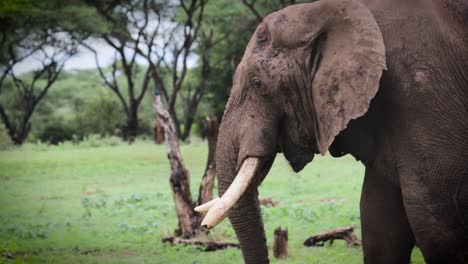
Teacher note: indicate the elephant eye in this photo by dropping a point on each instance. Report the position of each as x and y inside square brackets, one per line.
[256, 82]
[258, 85]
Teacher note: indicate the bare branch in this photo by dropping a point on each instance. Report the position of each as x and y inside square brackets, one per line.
[112, 85]
[251, 6]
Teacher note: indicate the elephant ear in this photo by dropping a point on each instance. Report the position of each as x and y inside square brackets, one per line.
[351, 64]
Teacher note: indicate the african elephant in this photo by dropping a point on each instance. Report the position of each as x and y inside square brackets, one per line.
[383, 80]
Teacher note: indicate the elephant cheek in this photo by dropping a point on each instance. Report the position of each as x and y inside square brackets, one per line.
[257, 141]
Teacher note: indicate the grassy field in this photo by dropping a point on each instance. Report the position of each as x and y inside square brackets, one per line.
[113, 204]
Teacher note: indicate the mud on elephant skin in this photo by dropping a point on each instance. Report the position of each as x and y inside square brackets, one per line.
[382, 80]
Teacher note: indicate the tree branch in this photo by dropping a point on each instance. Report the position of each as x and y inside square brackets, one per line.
[251, 6]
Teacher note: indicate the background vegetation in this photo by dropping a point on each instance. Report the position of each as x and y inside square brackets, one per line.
[112, 204]
[52, 105]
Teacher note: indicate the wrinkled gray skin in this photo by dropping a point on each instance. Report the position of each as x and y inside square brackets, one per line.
[313, 79]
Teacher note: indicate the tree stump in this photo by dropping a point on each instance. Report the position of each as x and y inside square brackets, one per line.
[281, 243]
[211, 129]
[344, 233]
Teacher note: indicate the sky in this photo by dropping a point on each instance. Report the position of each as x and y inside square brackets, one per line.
[84, 59]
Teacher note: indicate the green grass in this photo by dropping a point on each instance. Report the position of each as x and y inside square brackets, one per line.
[113, 204]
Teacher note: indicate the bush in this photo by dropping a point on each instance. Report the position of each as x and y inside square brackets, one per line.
[56, 131]
[102, 116]
[96, 141]
[91, 120]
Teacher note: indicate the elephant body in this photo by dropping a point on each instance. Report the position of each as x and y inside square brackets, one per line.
[383, 80]
[414, 138]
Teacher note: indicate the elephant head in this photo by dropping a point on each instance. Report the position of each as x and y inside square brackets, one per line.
[307, 71]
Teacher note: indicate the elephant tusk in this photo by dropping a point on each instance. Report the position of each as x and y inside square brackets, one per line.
[206, 206]
[221, 207]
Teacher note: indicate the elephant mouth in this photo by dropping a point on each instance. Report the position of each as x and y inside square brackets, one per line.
[299, 162]
[298, 156]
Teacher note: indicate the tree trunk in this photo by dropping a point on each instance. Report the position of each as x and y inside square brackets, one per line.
[17, 133]
[188, 220]
[281, 243]
[180, 177]
[22, 134]
[211, 127]
[131, 130]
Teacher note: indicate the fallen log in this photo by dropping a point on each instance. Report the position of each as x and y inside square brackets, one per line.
[209, 245]
[343, 233]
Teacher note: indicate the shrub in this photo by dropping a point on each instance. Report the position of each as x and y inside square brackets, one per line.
[102, 116]
[56, 131]
[96, 141]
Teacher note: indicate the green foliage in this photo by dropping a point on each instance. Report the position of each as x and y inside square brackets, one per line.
[102, 116]
[79, 105]
[5, 141]
[50, 30]
[113, 204]
[96, 141]
[57, 130]
[74, 16]
[235, 25]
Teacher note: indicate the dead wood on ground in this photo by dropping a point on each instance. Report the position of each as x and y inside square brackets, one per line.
[343, 233]
[209, 245]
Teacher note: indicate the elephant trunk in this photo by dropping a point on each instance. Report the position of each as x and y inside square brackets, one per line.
[247, 222]
[244, 211]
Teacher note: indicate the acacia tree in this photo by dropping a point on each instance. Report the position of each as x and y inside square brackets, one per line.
[48, 31]
[172, 58]
[129, 22]
[31, 90]
[159, 33]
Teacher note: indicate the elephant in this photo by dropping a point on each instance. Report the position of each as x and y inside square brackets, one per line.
[385, 81]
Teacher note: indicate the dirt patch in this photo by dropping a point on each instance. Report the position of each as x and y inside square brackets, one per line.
[268, 202]
[331, 200]
[96, 191]
[5, 179]
[50, 198]
[128, 253]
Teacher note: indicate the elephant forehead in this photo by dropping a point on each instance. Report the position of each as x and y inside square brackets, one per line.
[267, 66]
[287, 30]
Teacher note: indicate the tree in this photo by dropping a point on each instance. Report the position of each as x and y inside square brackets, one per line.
[188, 219]
[48, 30]
[130, 26]
[184, 35]
[30, 92]
[240, 20]
[162, 35]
